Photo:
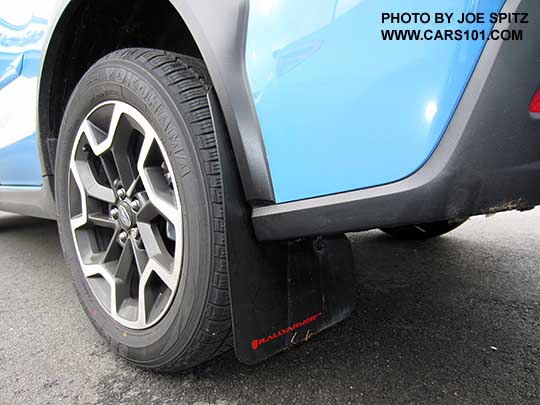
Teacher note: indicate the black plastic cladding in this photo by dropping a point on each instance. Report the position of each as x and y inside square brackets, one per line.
[488, 160]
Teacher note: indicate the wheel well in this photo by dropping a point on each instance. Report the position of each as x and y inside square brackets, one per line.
[89, 30]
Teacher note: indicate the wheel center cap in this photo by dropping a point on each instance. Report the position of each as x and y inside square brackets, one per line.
[125, 215]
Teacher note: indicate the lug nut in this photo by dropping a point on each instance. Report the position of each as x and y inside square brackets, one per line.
[114, 213]
[135, 233]
[121, 193]
[123, 237]
[135, 205]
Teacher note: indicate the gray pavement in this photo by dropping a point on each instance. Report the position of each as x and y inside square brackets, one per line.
[453, 320]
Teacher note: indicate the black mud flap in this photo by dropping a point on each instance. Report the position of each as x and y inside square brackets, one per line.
[282, 293]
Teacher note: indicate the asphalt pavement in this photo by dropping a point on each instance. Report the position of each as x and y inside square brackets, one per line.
[452, 320]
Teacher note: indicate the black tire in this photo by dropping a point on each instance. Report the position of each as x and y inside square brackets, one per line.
[171, 91]
[424, 231]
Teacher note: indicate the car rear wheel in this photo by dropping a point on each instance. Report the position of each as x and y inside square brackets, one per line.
[424, 231]
[138, 185]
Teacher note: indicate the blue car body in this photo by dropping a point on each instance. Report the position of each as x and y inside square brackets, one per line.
[353, 110]
[20, 55]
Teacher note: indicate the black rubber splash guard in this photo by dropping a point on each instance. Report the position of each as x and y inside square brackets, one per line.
[284, 293]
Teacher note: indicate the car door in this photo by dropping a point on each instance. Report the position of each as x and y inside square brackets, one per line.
[23, 26]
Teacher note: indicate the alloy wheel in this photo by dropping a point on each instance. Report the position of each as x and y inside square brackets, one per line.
[126, 216]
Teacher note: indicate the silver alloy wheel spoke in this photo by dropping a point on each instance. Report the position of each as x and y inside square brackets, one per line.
[163, 272]
[158, 192]
[140, 256]
[123, 266]
[102, 220]
[112, 249]
[91, 186]
[123, 208]
[153, 245]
